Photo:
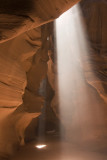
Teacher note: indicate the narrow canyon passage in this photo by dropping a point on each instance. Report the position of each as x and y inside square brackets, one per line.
[82, 112]
[53, 79]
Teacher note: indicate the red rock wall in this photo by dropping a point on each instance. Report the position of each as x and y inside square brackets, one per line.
[31, 15]
[94, 15]
[23, 62]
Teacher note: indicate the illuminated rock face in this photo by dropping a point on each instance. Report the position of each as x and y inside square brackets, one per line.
[12, 82]
[26, 59]
[16, 59]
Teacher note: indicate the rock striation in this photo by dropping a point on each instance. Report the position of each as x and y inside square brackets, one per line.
[20, 16]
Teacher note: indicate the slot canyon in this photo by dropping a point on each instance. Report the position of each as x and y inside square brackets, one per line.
[53, 80]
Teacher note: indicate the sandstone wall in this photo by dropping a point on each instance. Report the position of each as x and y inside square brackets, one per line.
[16, 19]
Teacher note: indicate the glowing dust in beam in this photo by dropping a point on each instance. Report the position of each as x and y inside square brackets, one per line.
[79, 108]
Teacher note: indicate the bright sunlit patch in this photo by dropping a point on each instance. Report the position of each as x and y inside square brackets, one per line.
[40, 146]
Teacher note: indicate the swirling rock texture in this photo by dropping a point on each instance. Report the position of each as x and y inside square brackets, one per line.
[19, 16]
[23, 65]
[16, 63]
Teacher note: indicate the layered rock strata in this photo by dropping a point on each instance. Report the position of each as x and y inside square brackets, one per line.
[19, 16]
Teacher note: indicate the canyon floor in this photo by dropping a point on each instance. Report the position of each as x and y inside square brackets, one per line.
[60, 150]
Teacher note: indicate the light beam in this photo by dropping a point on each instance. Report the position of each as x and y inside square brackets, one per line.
[79, 110]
